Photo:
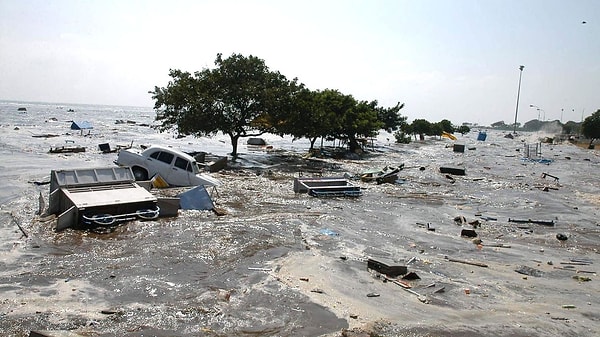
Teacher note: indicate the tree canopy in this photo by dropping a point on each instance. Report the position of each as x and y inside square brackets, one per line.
[354, 119]
[423, 127]
[236, 98]
[591, 126]
[242, 97]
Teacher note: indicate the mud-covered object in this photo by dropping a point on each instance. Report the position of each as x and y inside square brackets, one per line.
[525, 270]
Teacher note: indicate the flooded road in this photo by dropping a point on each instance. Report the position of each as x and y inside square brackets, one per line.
[286, 264]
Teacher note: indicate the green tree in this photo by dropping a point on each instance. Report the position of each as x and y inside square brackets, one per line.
[391, 118]
[360, 120]
[591, 127]
[436, 129]
[445, 125]
[403, 135]
[310, 118]
[351, 119]
[421, 127]
[571, 127]
[463, 129]
[236, 98]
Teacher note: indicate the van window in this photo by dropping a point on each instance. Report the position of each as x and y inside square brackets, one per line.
[165, 157]
[183, 164]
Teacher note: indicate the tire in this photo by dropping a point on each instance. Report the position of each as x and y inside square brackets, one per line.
[140, 174]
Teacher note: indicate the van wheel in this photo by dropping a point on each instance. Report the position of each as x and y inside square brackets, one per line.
[139, 174]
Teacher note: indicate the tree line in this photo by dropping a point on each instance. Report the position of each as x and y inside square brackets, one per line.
[422, 128]
[242, 97]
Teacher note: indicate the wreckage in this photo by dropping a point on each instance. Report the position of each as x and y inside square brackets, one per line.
[326, 187]
[98, 197]
[175, 167]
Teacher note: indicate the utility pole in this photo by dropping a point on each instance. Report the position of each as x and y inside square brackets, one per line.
[518, 94]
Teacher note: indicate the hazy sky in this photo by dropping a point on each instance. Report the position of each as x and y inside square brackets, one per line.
[452, 59]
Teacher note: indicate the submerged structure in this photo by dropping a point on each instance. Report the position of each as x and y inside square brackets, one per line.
[326, 187]
[98, 197]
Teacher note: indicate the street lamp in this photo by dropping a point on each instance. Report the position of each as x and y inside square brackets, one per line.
[537, 108]
[518, 94]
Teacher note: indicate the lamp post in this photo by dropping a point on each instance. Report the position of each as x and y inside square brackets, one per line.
[518, 94]
[537, 108]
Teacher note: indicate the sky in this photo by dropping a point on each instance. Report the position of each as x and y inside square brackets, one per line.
[444, 59]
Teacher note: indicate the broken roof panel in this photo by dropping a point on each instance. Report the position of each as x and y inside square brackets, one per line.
[197, 198]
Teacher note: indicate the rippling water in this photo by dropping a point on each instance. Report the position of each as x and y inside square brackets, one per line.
[191, 275]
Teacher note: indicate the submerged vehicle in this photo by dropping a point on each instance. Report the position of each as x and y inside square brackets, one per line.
[175, 167]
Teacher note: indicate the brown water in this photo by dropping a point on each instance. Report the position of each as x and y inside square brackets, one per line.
[200, 274]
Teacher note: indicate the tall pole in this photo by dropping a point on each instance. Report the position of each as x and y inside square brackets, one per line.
[518, 94]
[537, 108]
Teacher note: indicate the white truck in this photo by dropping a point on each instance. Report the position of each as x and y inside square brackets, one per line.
[175, 167]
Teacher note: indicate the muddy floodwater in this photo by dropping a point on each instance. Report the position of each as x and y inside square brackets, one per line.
[279, 263]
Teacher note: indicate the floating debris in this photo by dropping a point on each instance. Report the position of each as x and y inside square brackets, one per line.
[525, 270]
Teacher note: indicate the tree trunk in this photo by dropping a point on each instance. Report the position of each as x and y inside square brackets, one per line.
[234, 144]
[312, 142]
[352, 143]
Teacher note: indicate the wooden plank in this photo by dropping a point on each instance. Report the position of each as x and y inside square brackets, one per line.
[53, 333]
[478, 264]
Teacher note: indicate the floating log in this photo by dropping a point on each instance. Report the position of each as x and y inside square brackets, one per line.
[67, 149]
[576, 263]
[17, 222]
[478, 264]
[539, 222]
[544, 175]
[404, 286]
[498, 245]
[53, 333]
[46, 135]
